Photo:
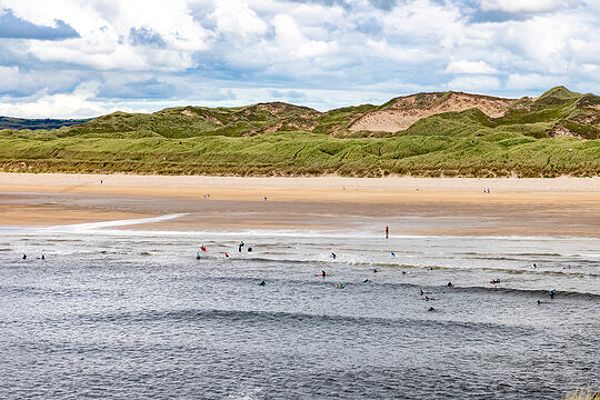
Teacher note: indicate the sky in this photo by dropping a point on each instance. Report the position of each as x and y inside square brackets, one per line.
[78, 58]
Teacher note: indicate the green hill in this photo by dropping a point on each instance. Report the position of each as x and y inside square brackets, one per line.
[427, 134]
[20, 123]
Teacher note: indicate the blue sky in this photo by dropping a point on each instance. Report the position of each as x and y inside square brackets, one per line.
[69, 58]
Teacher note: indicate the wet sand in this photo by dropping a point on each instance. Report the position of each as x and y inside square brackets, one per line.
[411, 206]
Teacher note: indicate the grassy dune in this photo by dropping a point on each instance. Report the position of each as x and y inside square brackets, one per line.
[281, 139]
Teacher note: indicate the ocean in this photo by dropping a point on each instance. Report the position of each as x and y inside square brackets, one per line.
[125, 314]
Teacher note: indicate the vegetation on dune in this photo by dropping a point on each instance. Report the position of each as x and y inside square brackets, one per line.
[583, 395]
[20, 123]
[552, 135]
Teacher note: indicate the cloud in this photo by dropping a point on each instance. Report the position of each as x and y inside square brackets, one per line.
[79, 103]
[476, 83]
[12, 27]
[143, 55]
[528, 6]
[233, 17]
[470, 67]
[289, 94]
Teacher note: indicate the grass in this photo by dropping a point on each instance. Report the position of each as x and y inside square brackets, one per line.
[286, 140]
[583, 395]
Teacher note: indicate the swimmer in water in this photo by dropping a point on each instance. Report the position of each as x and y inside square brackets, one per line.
[366, 281]
[431, 309]
[24, 256]
[374, 270]
[323, 274]
[263, 283]
[539, 302]
[250, 249]
[450, 284]
[226, 255]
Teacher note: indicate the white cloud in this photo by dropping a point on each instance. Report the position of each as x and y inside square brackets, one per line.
[470, 67]
[533, 81]
[253, 47]
[515, 6]
[79, 103]
[475, 83]
[237, 18]
[9, 77]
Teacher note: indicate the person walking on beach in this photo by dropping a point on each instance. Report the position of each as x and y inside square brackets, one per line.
[387, 232]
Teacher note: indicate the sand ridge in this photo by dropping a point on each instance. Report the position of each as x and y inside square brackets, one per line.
[405, 111]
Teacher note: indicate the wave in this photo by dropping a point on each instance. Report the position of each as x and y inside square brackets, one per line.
[387, 264]
[265, 316]
[437, 289]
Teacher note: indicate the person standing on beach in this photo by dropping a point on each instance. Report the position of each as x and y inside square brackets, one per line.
[387, 232]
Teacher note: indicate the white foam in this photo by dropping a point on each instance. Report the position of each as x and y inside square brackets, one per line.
[95, 226]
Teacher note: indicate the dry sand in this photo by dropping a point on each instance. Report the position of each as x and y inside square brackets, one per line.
[422, 206]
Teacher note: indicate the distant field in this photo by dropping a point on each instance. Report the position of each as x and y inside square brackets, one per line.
[555, 134]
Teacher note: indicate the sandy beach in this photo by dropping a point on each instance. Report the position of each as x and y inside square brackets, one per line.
[411, 206]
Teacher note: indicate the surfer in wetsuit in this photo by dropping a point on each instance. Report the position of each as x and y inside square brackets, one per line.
[333, 255]
[24, 256]
[387, 232]
[450, 284]
[323, 274]
[263, 283]
[240, 246]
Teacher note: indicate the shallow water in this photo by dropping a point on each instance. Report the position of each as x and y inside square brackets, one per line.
[128, 315]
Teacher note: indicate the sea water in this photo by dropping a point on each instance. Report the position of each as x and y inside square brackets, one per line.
[134, 315]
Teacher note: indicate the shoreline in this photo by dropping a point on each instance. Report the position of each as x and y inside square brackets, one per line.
[411, 206]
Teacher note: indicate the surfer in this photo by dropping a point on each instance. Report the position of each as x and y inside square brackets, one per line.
[240, 246]
[392, 254]
[198, 256]
[421, 292]
[24, 256]
[387, 232]
[431, 309]
[366, 281]
[552, 293]
[226, 255]
[450, 284]
[539, 302]
[263, 283]
[323, 274]
[250, 249]
[333, 255]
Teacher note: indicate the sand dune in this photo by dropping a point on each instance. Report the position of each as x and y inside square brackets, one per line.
[405, 111]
